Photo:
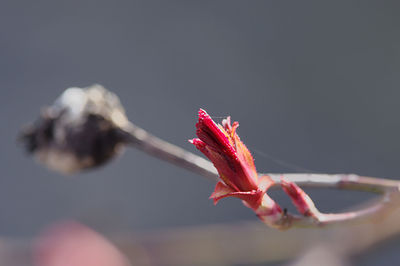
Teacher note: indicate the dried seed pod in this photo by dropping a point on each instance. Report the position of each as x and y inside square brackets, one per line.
[81, 130]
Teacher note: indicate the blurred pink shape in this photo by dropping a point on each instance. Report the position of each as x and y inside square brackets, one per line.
[73, 244]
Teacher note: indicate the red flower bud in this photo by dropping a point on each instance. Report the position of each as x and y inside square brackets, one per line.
[232, 159]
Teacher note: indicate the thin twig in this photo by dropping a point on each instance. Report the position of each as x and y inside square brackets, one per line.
[143, 140]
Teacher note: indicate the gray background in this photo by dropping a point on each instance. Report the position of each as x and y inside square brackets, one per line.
[314, 83]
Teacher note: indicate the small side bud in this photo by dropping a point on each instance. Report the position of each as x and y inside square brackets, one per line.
[300, 199]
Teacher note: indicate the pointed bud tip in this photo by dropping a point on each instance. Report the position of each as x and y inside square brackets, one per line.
[203, 114]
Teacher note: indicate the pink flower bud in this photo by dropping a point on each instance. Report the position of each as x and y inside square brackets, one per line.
[233, 161]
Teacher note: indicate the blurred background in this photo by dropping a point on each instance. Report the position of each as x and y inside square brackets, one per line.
[314, 85]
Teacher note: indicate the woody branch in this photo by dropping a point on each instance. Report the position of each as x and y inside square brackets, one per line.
[86, 127]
